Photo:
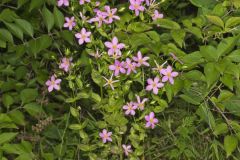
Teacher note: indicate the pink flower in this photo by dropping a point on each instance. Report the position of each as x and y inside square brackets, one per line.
[100, 17]
[136, 5]
[157, 15]
[130, 108]
[66, 63]
[110, 82]
[131, 67]
[147, 2]
[114, 46]
[106, 136]
[97, 3]
[154, 85]
[81, 2]
[53, 84]
[127, 149]
[110, 13]
[63, 3]
[151, 121]
[70, 23]
[159, 67]
[141, 60]
[83, 36]
[139, 103]
[168, 74]
[117, 67]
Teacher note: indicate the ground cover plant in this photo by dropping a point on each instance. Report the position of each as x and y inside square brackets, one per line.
[120, 79]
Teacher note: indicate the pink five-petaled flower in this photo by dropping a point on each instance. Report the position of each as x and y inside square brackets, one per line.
[117, 67]
[53, 84]
[65, 64]
[157, 15]
[70, 23]
[83, 36]
[100, 17]
[141, 60]
[154, 85]
[110, 13]
[83, 1]
[139, 103]
[110, 82]
[130, 66]
[106, 136]
[63, 3]
[168, 74]
[114, 46]
[151, 120]
[127, 149]
[130, 108]
[136, 5]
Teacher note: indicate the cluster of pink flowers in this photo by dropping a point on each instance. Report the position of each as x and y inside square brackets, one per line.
[138, 6]
[107, 16]
[54, 83]
[167, 75]
[130, 107]
[129, 66]
[106, 137]
[66, 2]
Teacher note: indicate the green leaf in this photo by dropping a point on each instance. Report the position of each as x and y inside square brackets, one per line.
[212, 75]
[205, 113]
[33, 109]
[76, 126]
[209, 53]
[138, 27]
[58, 17]
[166, 23]
[15, 30]
[227, 45]
[193, 59]
[25, 26]
[48, 18]
[74, 112]
[35, 4]
[7, 136]
[216, 20]
[235, 56]
[230, 144]
[221, 128]
[28, 95]
[96, 77]
[17, 117]
[7, 100]
[232, 21]
[189, 99]
[41, 43]
[3, 44]
[68, 36]
[6, 35]
[227, 80]
[178, 36]
[203, 3]
[21, 2]
[233, 105]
